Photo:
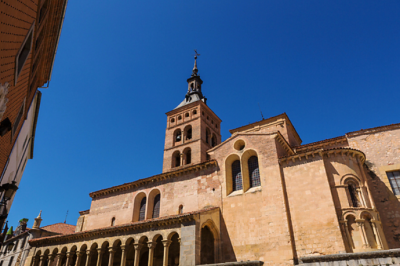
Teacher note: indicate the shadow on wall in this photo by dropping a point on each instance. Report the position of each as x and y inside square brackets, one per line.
[227, 248]
[389, 209]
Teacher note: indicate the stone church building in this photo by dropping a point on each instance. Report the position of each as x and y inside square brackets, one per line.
[259, 197]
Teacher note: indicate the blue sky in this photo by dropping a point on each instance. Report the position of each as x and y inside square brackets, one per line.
[332, 66]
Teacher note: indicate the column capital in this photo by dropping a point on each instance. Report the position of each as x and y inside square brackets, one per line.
[111, 250]
[99, 250]
[166, 242]
[138, 246]
[88, 252]
[151, 245]
[123, 247]
[60, 255]
[41, 257]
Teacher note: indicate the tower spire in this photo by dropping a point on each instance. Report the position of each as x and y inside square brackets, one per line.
[195, 70]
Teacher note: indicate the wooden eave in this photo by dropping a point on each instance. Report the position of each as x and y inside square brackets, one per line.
[125, 228]
[155, 178]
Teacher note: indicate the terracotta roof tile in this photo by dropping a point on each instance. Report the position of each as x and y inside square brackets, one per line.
[60, 228]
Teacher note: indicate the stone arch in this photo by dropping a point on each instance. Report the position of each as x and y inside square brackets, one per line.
[188, 132]
[93, 254]
[244, 163]
[354, 232]
[130, 251]
[144, 251]
[105, 246]
[117, 252]
[229, 161]
[82, 251]
[209, 242]
[154, 204]
[174, 249]
[187, 156]
[177, 137]
[176, 159]
[137, 205]
[36, 258]
[158, 255]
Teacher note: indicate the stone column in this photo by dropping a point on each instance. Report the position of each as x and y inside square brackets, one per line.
[350, 239]
[123, 255]
[360, 223]
[137, 247]
[99, 256]
[50, 260]
[41, 260]
[60, 257]
[68, 254]
[181, 158]
[78, 258]
[33, 261]
[88, 257]
[111, 259]
[151, 246]
[166, 244]
[361, 196]
[376, 232]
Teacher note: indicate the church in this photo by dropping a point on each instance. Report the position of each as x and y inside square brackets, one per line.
[259, 197]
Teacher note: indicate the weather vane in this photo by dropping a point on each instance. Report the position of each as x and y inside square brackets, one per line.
[196, 54]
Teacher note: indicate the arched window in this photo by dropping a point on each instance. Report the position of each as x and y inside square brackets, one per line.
[142, 211]
[156, 208]
[113, 221]
[213, 140]
[236, 176]
[254, 172]
[180, 209]
[353, 194]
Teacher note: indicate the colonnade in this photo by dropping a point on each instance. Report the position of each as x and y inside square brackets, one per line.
[158, 252]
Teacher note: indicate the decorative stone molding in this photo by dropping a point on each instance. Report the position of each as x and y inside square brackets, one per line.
[325, 152]
[239, 263]
[3, 100]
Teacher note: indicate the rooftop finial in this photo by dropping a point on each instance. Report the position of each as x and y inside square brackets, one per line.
[40, 214]
[195, 70]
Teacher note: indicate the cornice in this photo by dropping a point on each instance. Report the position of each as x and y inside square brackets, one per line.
[284, 143]
[373, 130]
[147, 224]
[152, 179]
[320, 144]
[324, 152]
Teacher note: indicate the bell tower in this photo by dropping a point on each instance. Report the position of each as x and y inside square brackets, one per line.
[192, 128]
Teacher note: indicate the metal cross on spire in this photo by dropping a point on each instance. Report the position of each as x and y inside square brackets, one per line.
[196, 54]
[195, 70]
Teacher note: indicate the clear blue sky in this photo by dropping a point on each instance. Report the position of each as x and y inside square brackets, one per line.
[332, 66]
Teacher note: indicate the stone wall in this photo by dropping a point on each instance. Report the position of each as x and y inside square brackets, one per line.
[381, 147]
[384, 257]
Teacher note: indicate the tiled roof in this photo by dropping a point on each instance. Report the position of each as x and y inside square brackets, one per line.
[124, 227]
[60, 228]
